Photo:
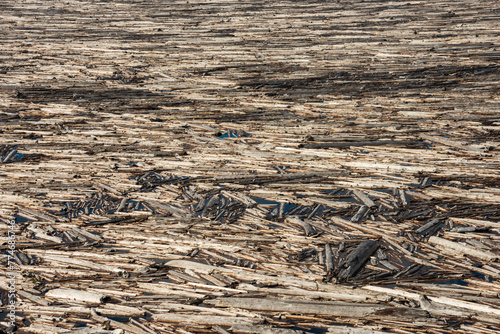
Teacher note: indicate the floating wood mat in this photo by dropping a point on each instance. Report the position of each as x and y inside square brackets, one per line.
[251, 166]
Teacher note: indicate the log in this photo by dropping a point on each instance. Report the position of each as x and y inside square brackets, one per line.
[331, 309]
[452, 247]
[116, 324]
[205, 320]
[364, 198]
[352, 330]
[308, 229]
[357, 258]
[359, 143]
[78, 295]
[260, 329]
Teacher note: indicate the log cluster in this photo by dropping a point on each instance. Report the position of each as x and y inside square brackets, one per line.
[251, 167]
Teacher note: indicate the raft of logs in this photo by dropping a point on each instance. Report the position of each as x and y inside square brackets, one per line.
[250, 167]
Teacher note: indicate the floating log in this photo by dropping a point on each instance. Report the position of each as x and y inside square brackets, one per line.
[78, 295]
[357, 258]
[260, 329]
[205, 320]
[330, 309]
[450, 246]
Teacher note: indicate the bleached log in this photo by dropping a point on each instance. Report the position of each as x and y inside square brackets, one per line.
[45, 329]
[89, 235]
[78, 295]
[475, 222]
[94, 331]
[352, 330]
[163, 289]
[330, 267]
[333, 309]
[344, 293]
[434, 308]
[170, 208]
[452, 247]
[40, 233]
[308, 229]
[475, 307]
[261, 329]
[205, 319]
[84, 263]
[364, 198]
[36, 299]
[38, 214]
[114, 311]
[243, 274]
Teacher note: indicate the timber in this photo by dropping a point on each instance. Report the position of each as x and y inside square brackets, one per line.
[249, 166]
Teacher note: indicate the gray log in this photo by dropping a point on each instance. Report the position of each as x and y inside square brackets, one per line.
[357, 258]
[333, 309]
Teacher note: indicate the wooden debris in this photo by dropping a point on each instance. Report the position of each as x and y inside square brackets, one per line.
[357, 258]
[248, 167]
[454, 247]
[318, 308]
[72, 294]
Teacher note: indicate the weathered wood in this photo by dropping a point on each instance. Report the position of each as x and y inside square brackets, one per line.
[205, 320]
[171, 154]
[308, 229]
[259, 329]
[450, 246]
[360, 143]
[351, 330]
[82, 296]
[336, 309]
[357, 258]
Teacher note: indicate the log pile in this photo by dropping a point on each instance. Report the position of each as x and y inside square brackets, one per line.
[250, 167]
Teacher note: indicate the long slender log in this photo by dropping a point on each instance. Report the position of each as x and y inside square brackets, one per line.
[359, 143]
[451, 302]
[78, 295]
[333, 309]
[452, 247]
[205, 319]
[351, 330]
[260, 329]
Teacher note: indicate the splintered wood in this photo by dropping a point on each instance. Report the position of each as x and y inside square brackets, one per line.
[250, 166]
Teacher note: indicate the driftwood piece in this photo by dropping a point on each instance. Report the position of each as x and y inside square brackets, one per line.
[169, 208]
[260, 329]
[116, 324]
[352, 330]
[36, 299]
[308, 229]
[333, 309]
[357, 258]
[360, 143]
[116, 311]
[447, 302]
[329, 264]
[86, 264]
[205, 320]
[452, 247]
[45, 329]
[78, 295]
[428, 226]
[364, 198]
